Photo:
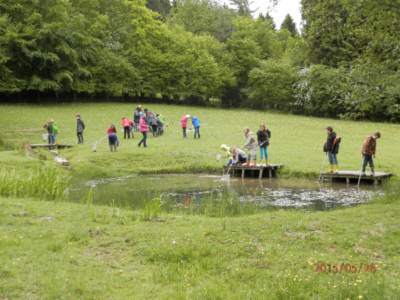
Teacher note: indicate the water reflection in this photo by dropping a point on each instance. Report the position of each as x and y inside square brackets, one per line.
[195, 192]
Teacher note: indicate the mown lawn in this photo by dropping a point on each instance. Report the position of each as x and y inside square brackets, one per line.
[296, 140]
[117, 255]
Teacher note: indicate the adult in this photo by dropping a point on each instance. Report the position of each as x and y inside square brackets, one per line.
[196, 125]
[143, 130]
[80, 126]
[332, 147]
[138, 109]
[368, 151]
[263, 136]
[251, 145]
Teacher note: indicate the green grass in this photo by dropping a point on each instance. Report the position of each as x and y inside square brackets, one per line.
[296, 140]
[269, 255]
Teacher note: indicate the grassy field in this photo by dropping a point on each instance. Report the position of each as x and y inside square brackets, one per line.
[59, 250]
[296, 140]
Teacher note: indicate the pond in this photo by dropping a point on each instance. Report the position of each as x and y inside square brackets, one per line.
[208, 194]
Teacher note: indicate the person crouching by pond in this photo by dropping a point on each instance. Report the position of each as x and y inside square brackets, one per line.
[227, 153]
[113, 140]
[239, 156]
[332, 147]
[251, 145]
[79, 129]
[368, 151]
[263, 136]
[143, 130]
[184, 124]
[126, 124]
[196, 125]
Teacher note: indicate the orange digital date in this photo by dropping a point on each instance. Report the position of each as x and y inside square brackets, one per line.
[348, 268]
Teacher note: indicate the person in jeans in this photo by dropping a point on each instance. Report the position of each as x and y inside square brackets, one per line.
[48, 127]
[263, 136]
[80, 128]
[136, 119]
[113, 140]
[126, 124]
[368, 151]
[332, 147]
[196, 125]
[143, 130]
[239, 156]
[184, 124]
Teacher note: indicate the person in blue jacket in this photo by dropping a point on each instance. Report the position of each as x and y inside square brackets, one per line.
[196, 125]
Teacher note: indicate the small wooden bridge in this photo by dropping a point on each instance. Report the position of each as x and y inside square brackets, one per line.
[50, 146]
[259, 170]
[354, 175]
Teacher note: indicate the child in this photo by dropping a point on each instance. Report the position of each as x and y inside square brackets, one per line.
[54, 130]
[80, 128]
[263, 136]
[126, 124]
[251, 146]
[227, 152]
[143, 130]
[184, 124]
[239, 156]
[160, 117]
[131, 128]
[136, 119]
[368, 150]
[113, 140]
[332, 147]
[160, 127]
[196, 125]
[47, 126]
[153, 124]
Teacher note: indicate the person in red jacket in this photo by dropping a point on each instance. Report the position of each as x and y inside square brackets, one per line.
[143, 130]
[126, 124]
[368, 150]
[184, 124]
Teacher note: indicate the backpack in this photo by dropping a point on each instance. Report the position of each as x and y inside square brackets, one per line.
[54, 128]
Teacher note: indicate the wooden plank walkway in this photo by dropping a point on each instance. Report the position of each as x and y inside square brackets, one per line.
[347, 175]
[249, 171]
[50, 146]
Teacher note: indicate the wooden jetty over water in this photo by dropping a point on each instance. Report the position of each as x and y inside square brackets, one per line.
[354, 175]
[50, 146]
[259, 170]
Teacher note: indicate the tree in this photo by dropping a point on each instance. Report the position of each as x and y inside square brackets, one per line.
[243, 7]
[289, 24]
[160, 6]
[267, 18]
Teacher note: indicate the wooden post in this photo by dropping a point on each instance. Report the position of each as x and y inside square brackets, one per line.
[376, 181]
[261, 172]
[233, 173]
[269, 172]
[243, 172]
[347, 180]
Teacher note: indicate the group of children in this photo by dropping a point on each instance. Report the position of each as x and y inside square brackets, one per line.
[239, 157]
[52, 131]
[195, 123]
[331, 147]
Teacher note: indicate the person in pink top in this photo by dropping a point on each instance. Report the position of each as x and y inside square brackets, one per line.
[183, 124]
[126, 124]
[143, 130]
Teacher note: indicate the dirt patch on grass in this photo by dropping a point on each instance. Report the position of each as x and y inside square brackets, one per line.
[374, 233]
[295, 234]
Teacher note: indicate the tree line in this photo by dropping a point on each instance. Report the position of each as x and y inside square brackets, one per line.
[344, 63]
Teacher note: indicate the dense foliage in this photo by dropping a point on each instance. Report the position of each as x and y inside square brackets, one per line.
[345, 63]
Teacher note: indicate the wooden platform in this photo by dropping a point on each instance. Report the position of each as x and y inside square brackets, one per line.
[50, 146]
[259, 170]
[348, 175]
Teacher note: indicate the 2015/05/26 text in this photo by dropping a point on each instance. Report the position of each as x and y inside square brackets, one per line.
[348, 268]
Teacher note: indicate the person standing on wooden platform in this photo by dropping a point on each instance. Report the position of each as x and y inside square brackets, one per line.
[263, 136]
[332, 147]
[251, 145]
[368, 151]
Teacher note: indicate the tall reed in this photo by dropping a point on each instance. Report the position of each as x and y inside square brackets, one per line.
[47, 182]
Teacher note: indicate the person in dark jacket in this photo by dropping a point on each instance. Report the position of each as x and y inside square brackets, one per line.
[79, 129]
[263, 136]
[368, 150]
[332, 147]
[138, 109]
[153, 124]
[136, 119]
[48, 127]
[160, 127]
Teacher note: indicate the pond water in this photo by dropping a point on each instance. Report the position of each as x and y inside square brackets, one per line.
[206, 193]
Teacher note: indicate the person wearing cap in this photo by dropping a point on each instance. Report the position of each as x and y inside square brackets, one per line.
[227, 153]
[184, 124]
[196, 125]
[143, 130]
[368, 151]
[331, 146]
